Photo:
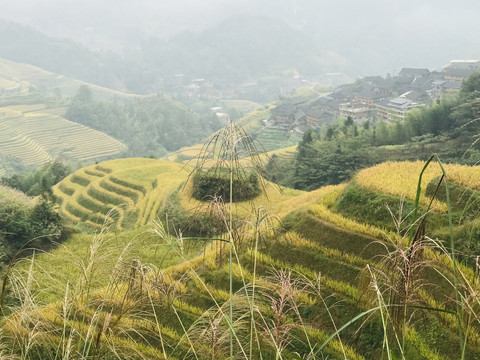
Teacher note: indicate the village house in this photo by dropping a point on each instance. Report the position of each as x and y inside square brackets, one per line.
[374, 97]
[414, 73]
[285, 115]
[368, 97]
[441, 88]
[356, 111]
[316, 116]
[459, 70]
[395, 109]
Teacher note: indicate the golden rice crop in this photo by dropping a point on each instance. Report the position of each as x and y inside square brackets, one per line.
[401, 178]
[338, 286]
[138, 185]
[335, 254]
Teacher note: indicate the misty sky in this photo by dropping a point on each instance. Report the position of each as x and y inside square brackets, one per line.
[417, 33]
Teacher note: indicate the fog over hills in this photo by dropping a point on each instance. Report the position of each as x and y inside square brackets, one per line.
[373, 37]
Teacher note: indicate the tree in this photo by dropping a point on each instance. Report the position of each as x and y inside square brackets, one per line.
[470, 88]
[319, 163]
[40, 181]
[83, 95]
[382, 134]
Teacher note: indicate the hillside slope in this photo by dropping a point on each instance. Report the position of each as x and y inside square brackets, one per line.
[134, 188]
[318, 262]
[17, 77]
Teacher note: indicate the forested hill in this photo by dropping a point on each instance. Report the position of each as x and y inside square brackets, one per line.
[147, 125]
[238, 50]
[63, 56]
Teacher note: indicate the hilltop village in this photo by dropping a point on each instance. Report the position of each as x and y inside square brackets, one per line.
[374, 97]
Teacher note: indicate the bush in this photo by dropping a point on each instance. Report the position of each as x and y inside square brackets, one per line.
[23, 220]
[217, 183]
[199, 224]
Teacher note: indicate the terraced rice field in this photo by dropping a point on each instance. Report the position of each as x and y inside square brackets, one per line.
[321, 242]
[135, 188]
[16, 76]
[8, 84]
[321, 247]
[272, 139]
[35, 135]
[401, 178]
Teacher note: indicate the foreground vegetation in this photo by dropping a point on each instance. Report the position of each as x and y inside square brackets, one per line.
[26, 223]
[287, 275]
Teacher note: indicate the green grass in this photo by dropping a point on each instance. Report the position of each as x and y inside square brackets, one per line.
[64, 264]
[313, 244]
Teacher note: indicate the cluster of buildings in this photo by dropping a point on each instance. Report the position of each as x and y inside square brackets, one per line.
[375, 97]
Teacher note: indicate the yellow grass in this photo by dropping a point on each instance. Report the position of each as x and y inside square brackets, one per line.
[140, 185]
[272, 199]
[401, 178]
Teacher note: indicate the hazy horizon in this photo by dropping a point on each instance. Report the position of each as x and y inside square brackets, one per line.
[375, 37]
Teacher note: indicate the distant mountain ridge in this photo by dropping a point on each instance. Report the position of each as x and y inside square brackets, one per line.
[66, 57]
[238, 50]
[242, 48]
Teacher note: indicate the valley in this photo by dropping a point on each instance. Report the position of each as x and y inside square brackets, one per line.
[239, 189]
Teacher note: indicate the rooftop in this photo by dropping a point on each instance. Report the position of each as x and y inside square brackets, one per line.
[414, 72]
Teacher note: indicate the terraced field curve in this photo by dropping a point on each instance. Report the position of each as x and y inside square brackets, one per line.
[123, 192]
[324, 247]
[35, 136]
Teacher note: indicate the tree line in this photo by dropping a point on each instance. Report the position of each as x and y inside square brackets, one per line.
[332, 153]
[149, 126]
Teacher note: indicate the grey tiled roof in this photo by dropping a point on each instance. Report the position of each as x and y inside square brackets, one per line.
[461, 73]
[413, 72]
